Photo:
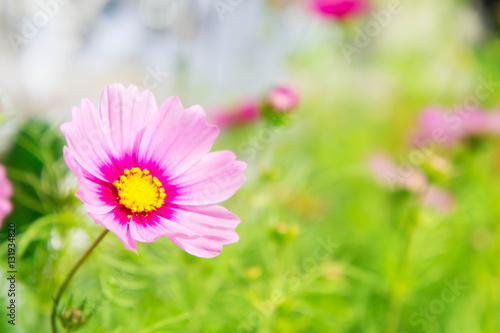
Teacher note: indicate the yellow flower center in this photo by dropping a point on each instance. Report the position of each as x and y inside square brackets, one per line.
[139, 192]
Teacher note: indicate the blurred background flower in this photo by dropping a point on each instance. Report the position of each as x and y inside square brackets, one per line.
[283, 99]
[339, 9]
[445, 128]
[245, 112]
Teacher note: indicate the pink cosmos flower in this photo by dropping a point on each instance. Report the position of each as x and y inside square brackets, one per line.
[146, 172]
[339, 9]
[449, 128]
[390, 175]
[437, 127]
[474, 123]
[493, 123]
[283, 99]
[438, 199]
[393, 176]
[5, 195]
[245, 112]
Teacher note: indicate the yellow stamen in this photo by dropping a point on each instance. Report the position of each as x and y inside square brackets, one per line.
[139, 192]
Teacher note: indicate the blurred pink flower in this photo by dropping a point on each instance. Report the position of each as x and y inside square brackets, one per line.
[435, 127]
[448, 128]
[390, 175]
[339, 9]
[493, 123]
[5, 195]
[475, 122]
[438, 199]
[410, 179]
[283, 99]
[146, 172]
[245, 112]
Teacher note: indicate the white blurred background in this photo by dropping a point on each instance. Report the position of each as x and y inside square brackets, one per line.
[54, 52]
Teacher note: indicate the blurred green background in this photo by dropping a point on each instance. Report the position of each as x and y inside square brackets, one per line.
[323, 247]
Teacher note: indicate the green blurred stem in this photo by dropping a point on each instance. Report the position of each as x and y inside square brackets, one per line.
[70, 275]
[397, 298]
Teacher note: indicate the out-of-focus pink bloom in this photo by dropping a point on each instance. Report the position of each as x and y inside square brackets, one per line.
[248, 110]
[437, 126]
[339, 9]
[5, 195]
[390, 175]
[438, 199]
[146, 172]
[222, 117]
[475, 122]
[493, 122]
[283, 99]
[410, 179]
[245, 112]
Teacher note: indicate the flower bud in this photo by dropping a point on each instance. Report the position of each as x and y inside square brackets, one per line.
[73, 319]
[284, 233]
[253, 272]
[283, 99]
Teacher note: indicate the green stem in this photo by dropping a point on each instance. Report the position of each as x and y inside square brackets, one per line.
[398, 295]
[65, 284]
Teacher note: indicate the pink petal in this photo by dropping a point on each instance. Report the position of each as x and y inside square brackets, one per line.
[98, 197]
[5, 185]
[116, 221]
[148, 229]
[177, 138]
[89, 143]
[72, 163]
[216, 225]
[125, 112]
[214, 179]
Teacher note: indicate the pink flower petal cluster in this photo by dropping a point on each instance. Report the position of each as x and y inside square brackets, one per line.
[5, 195]
[339, 9]
[146, 171]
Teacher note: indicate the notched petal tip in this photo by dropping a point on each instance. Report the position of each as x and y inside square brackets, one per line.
[198, 111]
[171, 104]
[131, 90]
[116, 85]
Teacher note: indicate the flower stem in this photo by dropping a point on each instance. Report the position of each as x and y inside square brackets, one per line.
[397, 297]
[65, 284]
